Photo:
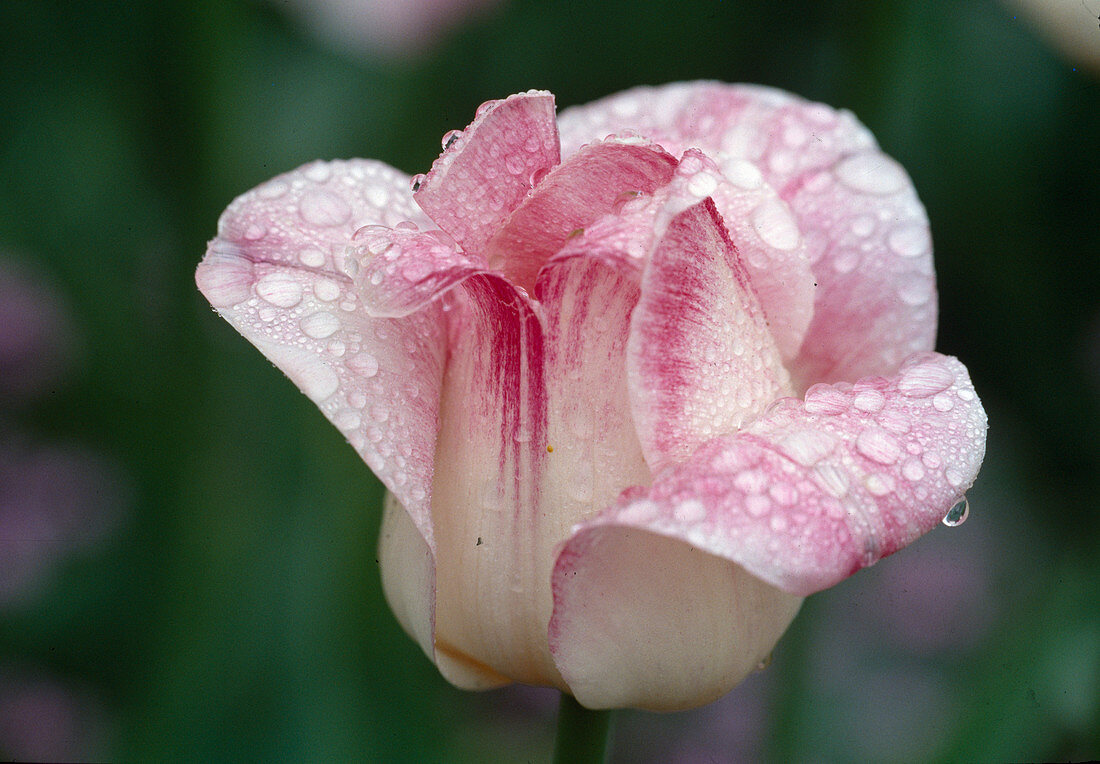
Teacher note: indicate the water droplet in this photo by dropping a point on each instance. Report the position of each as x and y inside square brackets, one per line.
[775, 224]
[912, 470]
[418, 181]
[925, 380]
[324, 209]
[863, 226]
[273, 190]
[280, 290]
[916, 289]
[363, 364]
[254, 232]
[826, 399]
[311, 257]
[450, 137]
[871, 173]
[318, 172]
[943, 402]
[909, 240]
[807, 447]
[957, 515]
[742, 174]
[764, 663]
[326, 290]
[954, 477]
[485, 108]
[871, 400]
[878, 445]
[702, 184]
[537, 176]
[319, 325]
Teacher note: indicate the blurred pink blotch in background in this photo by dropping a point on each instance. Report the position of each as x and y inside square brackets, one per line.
[394, 28]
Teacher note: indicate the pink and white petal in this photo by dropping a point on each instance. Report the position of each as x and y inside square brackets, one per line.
[733, 125]
[275, 272]
[773, 250]
[813, 491]
[781, 134]
[487, 169]
[570, 197]
[866, 232]
[645, 621]
[491, 454]
[536, 436]
[700, 360]
[401, 270]
[871, 250]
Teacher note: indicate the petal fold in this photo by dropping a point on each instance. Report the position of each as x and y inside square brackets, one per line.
[572, 196]
[277, 273]
[867, 234]
[486, 171]
[536, 436]
[814, 490]
[701, 360]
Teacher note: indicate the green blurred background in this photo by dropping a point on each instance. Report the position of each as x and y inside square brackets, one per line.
[202, 581]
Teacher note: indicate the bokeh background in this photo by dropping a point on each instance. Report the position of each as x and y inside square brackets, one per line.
[187, 563]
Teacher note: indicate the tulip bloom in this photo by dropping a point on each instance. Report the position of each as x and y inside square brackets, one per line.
[637, 378]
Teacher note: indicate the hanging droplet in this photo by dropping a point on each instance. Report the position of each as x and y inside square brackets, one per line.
[764, 663]
[417, 181]
[957, 515]
[450, 137]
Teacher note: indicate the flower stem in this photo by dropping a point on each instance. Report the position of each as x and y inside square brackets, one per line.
[582, 734]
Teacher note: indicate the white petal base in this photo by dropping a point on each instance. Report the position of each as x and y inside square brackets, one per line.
[645, 621]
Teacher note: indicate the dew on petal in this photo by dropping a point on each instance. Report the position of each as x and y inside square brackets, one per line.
[324, 209]
[942, 402]
[878, 445]
[925, 380]
[957, 515]
[775, 224]
[912, 469]
[312, 257]
[870, 400]
[364, 364]
[320, 325]
[826, 399]
[807, 447]
[871, 173]
[279, 289]
[911, 240]
[326, 290]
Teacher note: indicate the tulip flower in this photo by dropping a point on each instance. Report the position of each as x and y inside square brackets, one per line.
[637, 378]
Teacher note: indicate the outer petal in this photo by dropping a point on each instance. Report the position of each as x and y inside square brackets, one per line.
[275, 272]
[801, 498]
[486, 171]
[855, 206]
[399, 271]
[701, 360]
[536, 435]
[572, 196]
[649, 622]
[872, 251]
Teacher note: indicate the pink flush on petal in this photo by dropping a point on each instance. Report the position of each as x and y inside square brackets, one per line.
[632, 397]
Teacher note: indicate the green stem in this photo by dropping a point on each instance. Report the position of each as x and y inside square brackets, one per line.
[582, 734]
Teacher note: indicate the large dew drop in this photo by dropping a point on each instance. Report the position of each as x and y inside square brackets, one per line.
[957, 515]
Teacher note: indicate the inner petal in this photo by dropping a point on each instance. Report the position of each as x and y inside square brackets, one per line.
[536, 436]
